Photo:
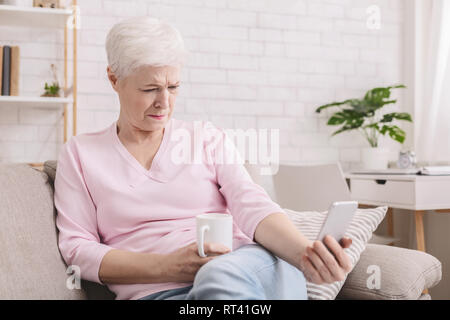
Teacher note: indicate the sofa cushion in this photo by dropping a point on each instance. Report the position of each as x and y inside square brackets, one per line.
[31, 266]
[364, 222]
[94, 291]
[50, 169]
[403, 274]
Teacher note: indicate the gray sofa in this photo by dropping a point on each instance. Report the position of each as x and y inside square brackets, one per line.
[31, 266]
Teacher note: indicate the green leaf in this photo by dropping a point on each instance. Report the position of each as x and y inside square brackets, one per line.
[372, 125]
[336, 119]
[350, 125]
[333, 104]
[394, 132]
[398, 86]
[384, 129]
[399, 116]
[397, 134]
[376, 97]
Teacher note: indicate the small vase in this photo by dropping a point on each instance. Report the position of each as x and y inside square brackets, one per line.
[375, 158]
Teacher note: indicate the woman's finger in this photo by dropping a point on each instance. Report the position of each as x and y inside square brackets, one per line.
[329, 261]
[346, 242]
[319, 265]
[215, 248]
[341, 257]
[310, 272]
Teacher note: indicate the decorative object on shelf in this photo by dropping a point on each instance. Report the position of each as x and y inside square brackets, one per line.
[53, 89]
[364, 115]
[9, 70]
[5, 70]
[46, 3]
[15, 71]
[1, 68]
[407, 160]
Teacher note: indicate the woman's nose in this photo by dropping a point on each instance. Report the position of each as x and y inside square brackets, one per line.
[162, 99]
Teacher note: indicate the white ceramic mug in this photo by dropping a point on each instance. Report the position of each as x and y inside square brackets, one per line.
[215, 228]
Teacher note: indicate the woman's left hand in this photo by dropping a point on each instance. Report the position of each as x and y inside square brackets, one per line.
[319, 265]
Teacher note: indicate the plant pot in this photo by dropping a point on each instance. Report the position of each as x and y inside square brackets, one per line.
[375, 158]
[50, 95]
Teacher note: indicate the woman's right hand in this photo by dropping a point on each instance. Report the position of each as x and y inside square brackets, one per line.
[182, 265]
[321, 265]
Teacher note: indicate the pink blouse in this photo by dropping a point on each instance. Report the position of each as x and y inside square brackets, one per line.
[105, 199]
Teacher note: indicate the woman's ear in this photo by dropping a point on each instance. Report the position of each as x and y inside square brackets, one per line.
[112, 78]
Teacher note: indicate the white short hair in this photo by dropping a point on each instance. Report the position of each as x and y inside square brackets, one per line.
[139, 41]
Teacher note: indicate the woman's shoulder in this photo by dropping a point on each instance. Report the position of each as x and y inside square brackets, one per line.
[90, 141]
[94, 136]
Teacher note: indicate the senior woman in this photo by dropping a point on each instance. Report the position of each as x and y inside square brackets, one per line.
[126, 210]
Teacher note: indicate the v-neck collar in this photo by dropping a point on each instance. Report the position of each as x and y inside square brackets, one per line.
[154, 171]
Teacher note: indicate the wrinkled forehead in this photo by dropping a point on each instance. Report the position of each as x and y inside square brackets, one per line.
[158, 76]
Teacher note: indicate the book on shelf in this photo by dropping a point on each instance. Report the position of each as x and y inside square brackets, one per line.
[10, 70]
[1, 68]
[426, 171]
[15, 64]
[6, 70]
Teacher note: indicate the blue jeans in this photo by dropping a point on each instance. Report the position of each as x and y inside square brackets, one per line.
[249, 273]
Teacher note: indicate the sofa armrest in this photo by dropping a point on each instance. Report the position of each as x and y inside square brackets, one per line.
[403, 274]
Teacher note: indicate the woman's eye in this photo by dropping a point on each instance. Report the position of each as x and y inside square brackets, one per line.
[151, 90]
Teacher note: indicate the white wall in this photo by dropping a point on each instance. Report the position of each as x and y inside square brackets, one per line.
[254, 64]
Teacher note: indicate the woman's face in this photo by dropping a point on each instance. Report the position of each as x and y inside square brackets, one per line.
[149, 91]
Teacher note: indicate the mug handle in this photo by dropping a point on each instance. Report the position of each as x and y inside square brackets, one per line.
[200, 243]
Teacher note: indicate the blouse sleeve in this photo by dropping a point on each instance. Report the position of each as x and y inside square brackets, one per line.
[247, 201]
[76, 219]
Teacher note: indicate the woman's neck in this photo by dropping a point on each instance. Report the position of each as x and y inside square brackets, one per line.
[130, 134]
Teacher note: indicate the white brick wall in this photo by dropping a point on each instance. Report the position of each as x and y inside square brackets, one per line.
[254, 64]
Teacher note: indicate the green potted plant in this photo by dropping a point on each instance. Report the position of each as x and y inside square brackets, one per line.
[52, 90]
[364, 115]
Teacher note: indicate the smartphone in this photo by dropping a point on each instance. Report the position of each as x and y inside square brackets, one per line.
[340, 215]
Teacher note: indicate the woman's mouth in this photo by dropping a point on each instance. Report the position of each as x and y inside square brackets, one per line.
[156, 117]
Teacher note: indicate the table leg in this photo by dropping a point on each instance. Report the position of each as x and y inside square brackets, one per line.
[390, 224]
[420, 236]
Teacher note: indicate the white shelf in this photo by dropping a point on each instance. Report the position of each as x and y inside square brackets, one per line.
[30, 101]
[33, 16]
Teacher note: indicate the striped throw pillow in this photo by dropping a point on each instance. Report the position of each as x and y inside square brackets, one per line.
[364, 223]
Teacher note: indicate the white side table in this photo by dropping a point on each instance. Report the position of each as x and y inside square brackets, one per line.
[411, 192]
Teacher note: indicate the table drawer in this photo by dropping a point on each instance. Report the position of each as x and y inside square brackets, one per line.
[388, 191]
